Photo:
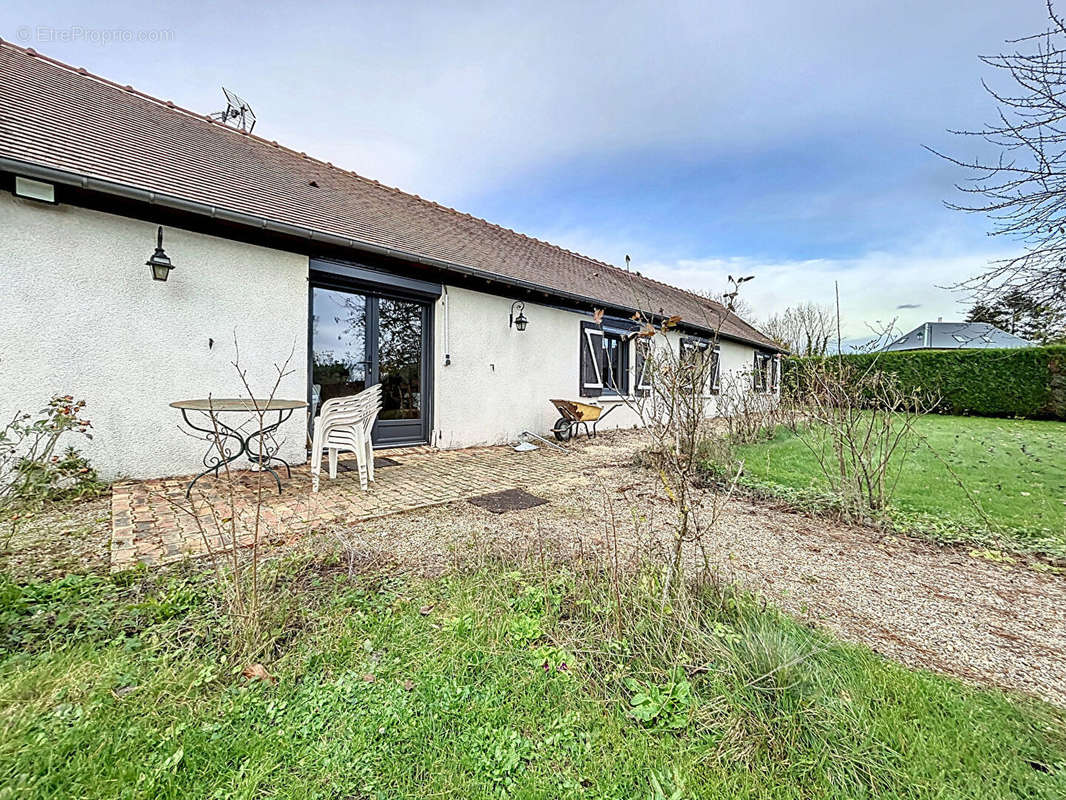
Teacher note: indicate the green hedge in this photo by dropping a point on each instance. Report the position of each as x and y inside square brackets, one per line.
[1026, 382]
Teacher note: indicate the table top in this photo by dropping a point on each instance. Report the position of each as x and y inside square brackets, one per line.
[238, 404]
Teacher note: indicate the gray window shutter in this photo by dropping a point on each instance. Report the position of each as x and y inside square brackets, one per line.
[642, 360]
[716, 369]
[590, 384]
[755, 373]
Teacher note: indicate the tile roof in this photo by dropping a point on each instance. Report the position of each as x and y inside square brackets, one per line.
[60, 117]
[957, 336]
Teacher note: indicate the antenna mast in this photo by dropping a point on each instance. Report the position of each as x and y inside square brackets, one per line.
[238, 113]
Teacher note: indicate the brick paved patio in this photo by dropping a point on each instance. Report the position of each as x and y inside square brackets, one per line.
[153, 523]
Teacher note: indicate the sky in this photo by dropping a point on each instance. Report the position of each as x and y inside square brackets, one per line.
[781, 139]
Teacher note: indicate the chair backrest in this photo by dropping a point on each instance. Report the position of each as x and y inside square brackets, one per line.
[340, 413]
[352, 399]
[373, 405]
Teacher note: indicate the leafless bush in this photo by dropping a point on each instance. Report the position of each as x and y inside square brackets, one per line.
[235, 529]
[746, 415]
[862, 428]
[359, 557]
[675, 412]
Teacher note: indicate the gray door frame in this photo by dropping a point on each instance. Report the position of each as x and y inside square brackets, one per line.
[375, 284]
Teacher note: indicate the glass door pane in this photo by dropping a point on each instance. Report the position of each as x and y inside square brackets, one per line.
[399, 330]
[360, 339]
[339, 340]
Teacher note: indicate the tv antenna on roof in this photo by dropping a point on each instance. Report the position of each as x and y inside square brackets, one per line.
[238, 113]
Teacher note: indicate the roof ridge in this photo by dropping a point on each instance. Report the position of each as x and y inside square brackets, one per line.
[172, 106]
[129, 89]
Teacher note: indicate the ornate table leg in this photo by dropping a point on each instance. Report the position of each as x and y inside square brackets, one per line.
[220, 453]
[262, 455]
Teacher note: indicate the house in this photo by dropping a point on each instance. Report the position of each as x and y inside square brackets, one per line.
[942, 335]
[279, 258]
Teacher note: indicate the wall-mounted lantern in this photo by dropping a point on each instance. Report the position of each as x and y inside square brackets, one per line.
[520, 321]
[159, 262]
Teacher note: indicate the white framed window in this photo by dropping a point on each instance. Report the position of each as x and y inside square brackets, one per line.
[643, 364]
[766, 372]
[614, 363]
[703, 358]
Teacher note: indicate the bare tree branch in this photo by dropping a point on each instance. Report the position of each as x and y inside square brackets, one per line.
[1023, 191]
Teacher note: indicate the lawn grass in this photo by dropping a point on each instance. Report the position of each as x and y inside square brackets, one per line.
[1015, 469]
[487, 684]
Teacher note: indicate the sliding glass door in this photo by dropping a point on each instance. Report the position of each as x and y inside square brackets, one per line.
[340, 359]
[359, 339]
[398, 365]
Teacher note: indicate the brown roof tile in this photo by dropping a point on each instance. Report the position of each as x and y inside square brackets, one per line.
[57, 116]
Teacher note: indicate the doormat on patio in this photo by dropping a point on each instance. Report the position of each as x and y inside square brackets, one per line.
[509, 500]
[380, 462]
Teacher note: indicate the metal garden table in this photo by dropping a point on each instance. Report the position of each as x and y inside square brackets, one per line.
[228, 443]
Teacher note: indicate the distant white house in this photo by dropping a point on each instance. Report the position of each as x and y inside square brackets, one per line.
[957, 336]
[469, 327]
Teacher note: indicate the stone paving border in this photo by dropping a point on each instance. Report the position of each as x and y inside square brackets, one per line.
[153, 523]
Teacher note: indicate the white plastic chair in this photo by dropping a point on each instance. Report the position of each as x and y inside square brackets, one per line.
[345, 423]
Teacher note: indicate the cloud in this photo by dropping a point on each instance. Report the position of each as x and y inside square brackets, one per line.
[782, 140]
[465, 95]
[869, 285]
[901, 287]
[447, 99]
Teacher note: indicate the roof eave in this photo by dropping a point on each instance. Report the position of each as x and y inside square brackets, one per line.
[256, 222]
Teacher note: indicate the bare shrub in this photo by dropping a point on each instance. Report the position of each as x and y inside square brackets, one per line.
[747, 416]
[675, 412]
[235, 531]
[862, 428]
[359, 557]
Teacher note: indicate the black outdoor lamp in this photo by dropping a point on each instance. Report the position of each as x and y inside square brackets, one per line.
[160, 261]
[520, 321]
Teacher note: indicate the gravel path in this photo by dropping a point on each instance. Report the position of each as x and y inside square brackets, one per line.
[924, 605]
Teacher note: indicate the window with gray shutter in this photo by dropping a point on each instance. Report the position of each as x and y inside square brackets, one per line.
[591, 357]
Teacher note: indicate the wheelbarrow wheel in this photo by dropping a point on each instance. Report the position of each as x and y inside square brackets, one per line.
[562, 429]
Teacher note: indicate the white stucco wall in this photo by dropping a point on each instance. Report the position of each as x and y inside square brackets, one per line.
[500, 380]
[82, 316]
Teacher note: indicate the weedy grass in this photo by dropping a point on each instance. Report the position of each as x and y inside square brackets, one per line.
[1000, 481]
[495, 682]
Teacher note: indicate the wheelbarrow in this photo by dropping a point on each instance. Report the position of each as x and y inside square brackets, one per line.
[574, 415]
